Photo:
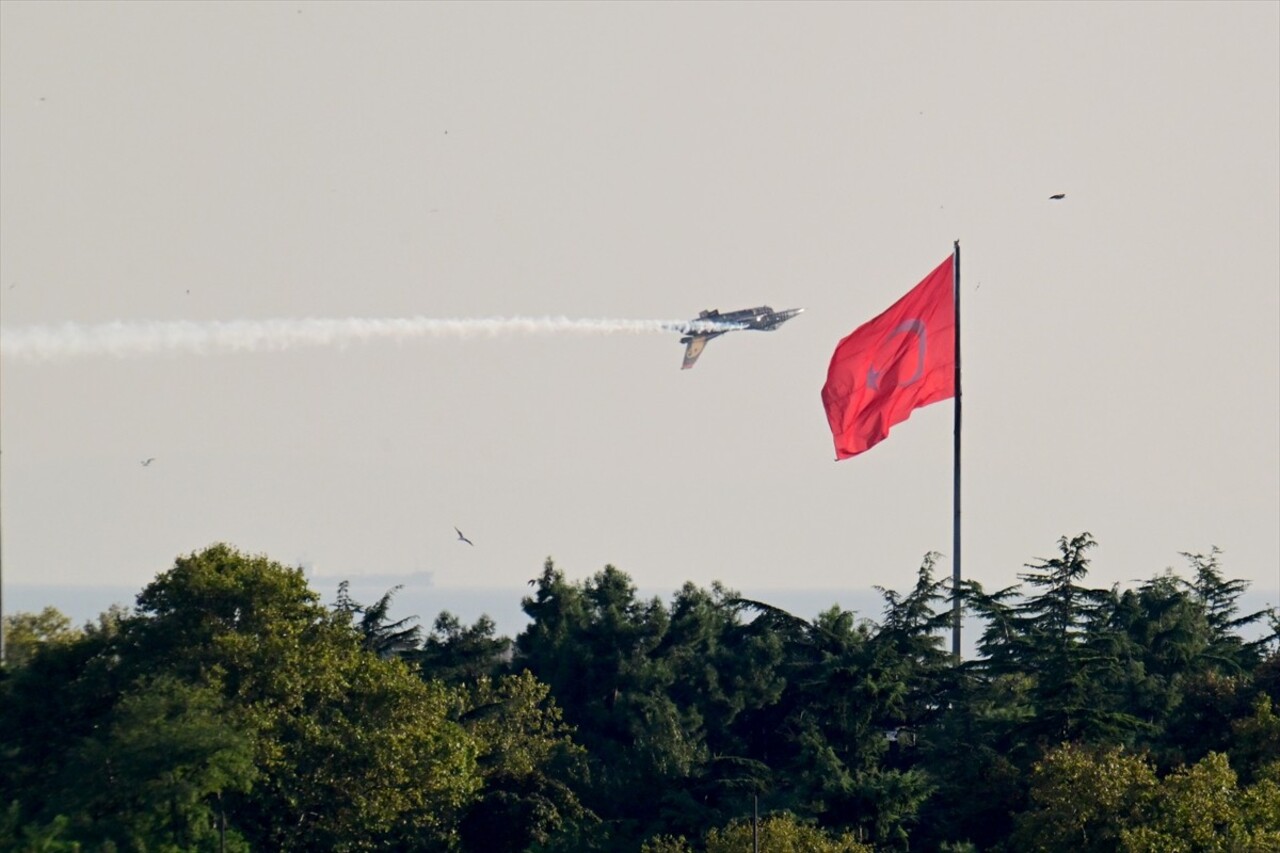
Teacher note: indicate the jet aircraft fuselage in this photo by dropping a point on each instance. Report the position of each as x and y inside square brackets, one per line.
[712, 324]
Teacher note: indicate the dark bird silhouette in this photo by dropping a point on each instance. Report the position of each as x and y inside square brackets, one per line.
[148, 461]
[463, 538]
[533, 582]
[1057, 197]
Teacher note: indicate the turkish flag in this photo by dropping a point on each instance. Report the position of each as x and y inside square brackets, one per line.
[894, 364]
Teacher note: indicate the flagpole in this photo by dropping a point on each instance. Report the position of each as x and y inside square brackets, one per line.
[955, 521]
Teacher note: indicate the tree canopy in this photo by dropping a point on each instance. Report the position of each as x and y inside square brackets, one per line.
[231, 709]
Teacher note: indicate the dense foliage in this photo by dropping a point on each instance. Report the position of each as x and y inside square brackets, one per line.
[232, 710]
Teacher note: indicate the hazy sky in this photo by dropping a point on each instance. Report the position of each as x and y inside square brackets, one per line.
[255, 161]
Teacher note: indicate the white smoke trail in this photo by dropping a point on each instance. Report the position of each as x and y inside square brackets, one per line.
[121, 339]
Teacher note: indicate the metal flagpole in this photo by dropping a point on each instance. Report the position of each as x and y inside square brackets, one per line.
[755, 823]
[2, 650]
[2, 657]
[955, 522]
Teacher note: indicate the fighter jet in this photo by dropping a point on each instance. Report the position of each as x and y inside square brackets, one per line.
[712, 324]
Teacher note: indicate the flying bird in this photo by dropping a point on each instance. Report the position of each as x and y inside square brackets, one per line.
[463, 538]
[1057, 197]
[148, 461]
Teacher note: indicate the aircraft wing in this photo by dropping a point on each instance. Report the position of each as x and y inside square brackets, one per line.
[692, 349]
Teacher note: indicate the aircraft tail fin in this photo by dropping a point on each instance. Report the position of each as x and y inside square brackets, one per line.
[693, 348]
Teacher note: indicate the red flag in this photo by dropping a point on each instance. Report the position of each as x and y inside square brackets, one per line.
[889, 366]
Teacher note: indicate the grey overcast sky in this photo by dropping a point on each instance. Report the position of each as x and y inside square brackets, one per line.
[253, 161]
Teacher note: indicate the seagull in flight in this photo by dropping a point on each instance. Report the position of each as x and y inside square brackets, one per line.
[1057, 197]
[148, 461]
[463, 538]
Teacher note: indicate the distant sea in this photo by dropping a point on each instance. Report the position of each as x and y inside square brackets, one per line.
[418, 598]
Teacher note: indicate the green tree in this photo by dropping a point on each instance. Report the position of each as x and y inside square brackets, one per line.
[1104, 799]
[349, 751]
[846, 691]
[1255, 742]
[379, 635]
[1219, 598]
[527, 759]
[1068, 662]
[58, 700]
[17, 836]
[777, 833]
[1159, 637]
[1083, 799]
[1209, 703]
[462, 655]
[1201, 808]
[976, 746]
[721, 667]
[724, 673]
[1064, 636]
[596, 645]
[1070, 650]
[165, 758]
[782, 833]
[25, 633]
[351, 748]
[909, 638]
